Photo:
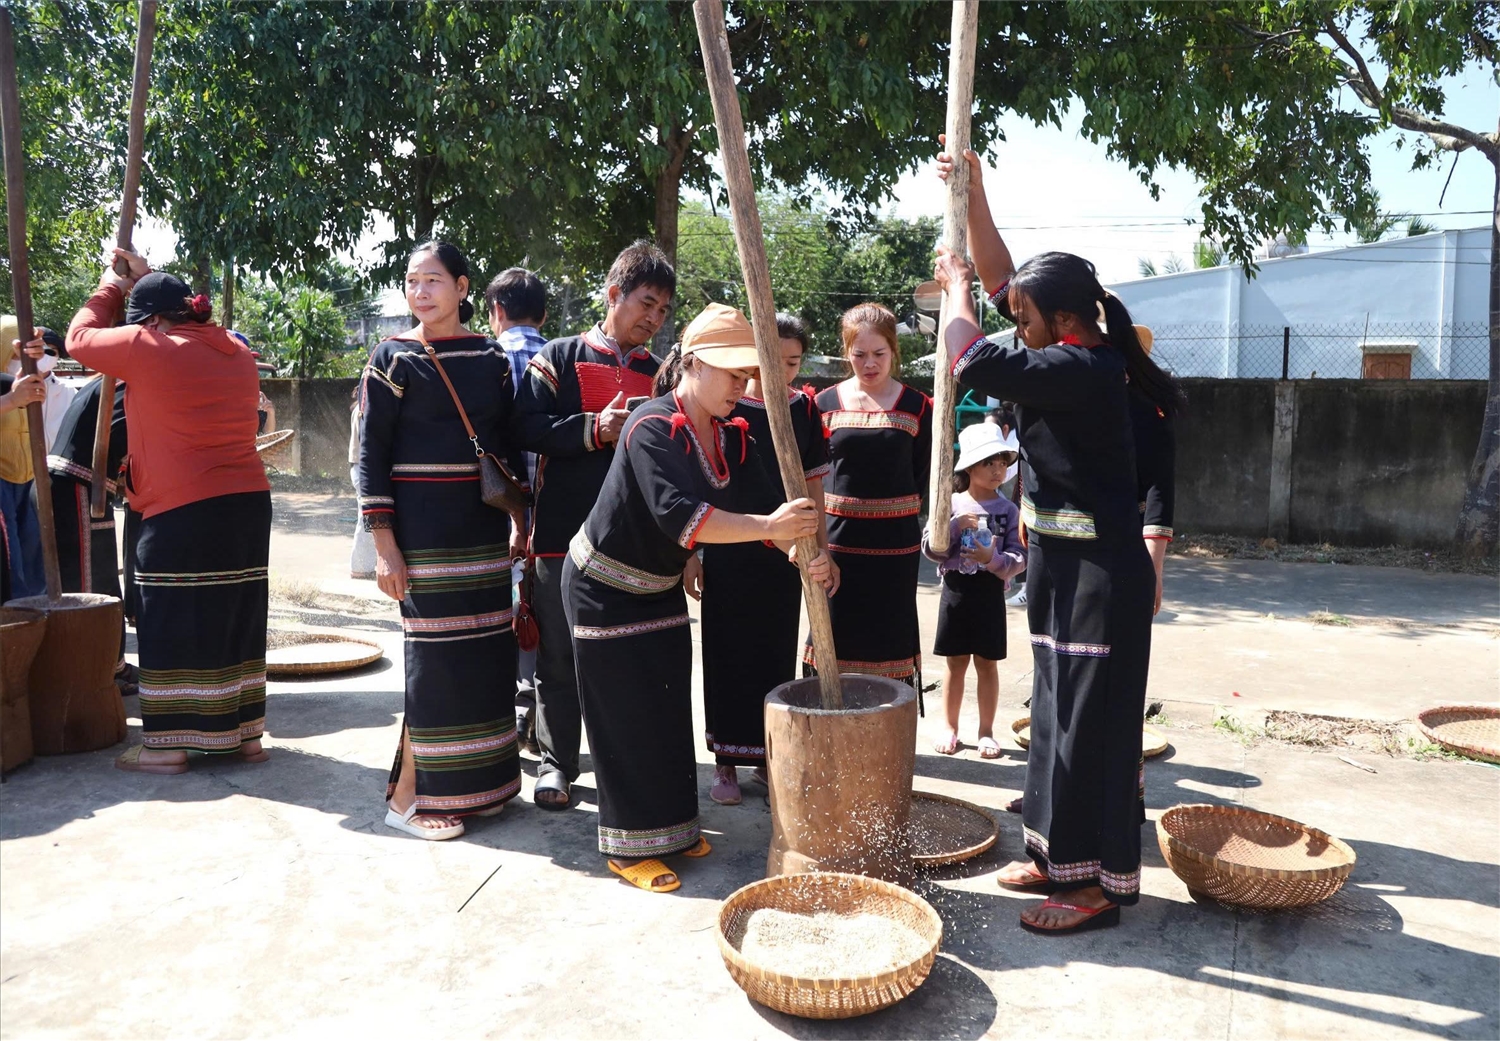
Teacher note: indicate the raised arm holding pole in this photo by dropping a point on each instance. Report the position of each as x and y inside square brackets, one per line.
[955, 237]
[20, 280]
[145, 36]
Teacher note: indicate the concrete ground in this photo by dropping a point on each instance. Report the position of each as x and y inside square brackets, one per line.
[269, 900]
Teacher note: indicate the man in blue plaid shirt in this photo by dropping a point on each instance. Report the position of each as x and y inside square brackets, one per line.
[516, 301]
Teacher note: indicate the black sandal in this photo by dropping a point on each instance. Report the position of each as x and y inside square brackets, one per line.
[552, 781]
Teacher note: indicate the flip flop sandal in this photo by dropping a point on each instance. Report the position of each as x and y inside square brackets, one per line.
[1037, 881]
[130, 761]
[725, 792]
[702, 849]
[643, 875]
[553, 781]
[1097, 918]
[948, 747]
[758, 775]
[989, 748]
[403, 822]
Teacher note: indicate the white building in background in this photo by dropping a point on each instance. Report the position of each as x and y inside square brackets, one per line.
[1414, 307]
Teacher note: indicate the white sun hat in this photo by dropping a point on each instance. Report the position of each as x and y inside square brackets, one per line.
[980, 441]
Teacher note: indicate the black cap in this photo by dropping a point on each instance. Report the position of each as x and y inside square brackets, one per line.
[158, 293]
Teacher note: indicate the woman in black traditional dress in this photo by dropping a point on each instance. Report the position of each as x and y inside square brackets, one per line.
[880, 440]
[683, 475]
[1089, 582]
[442, 552]
[751, 603]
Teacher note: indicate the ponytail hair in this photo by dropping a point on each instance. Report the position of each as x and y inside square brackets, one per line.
[1062, 283]
[670, 373]
[1159, 386]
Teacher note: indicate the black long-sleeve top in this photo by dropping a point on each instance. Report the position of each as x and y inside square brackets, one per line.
[410, 429]
[568, 384]
[72, 452]
[663, 485]
[1073, 420]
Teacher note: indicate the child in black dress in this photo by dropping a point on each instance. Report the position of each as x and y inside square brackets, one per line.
[984, 551]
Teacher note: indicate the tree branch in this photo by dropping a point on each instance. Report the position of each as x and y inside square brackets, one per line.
[1375, 99]
[1448, 136]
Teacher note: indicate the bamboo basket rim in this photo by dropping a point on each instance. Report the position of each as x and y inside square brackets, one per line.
[1232, 867]
[735, 901]
[1147, 751]
[299, 637]
[1489, 753]
[968, 852]
[273, 439]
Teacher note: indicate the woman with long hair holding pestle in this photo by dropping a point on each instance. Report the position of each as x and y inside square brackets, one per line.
[1090, 583]
[204, 538]
[880, 441]
[431, 399]
[751, 604]
[684, 474]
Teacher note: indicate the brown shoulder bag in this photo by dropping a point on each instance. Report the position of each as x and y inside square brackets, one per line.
[498, 487]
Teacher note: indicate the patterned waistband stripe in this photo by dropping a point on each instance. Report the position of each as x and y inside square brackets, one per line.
[1062, 523]
[616, 573]
[1083, 650]
[862, 551]
[896, 669]
[611, 632]
[64, 467]
[872, 509]
[200, 578]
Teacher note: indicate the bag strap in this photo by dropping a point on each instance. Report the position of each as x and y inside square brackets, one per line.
[468, 427]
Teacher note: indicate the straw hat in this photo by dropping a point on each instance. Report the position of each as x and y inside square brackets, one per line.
[10, 331]
[721, 336]
[981, 441]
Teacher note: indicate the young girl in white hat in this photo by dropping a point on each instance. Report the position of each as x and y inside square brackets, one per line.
[984, 550]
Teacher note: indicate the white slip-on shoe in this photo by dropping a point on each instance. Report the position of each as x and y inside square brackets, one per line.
[403, 822]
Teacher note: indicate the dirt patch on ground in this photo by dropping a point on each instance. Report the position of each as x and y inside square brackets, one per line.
[1231, 547]
[1402, 739]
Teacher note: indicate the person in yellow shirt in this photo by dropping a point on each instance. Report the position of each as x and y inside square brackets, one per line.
[23, 537]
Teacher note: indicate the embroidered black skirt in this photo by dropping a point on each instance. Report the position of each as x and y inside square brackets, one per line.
[1089, 605]
[751, 614]
[634, 655]
[201, 622]
[460, 650]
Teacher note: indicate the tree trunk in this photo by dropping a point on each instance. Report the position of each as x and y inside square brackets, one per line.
[668, 199]
[1479, 521]
[424, 209]
[226, 307]
[203, 274]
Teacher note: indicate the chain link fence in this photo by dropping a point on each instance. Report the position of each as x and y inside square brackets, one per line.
[1373, 350]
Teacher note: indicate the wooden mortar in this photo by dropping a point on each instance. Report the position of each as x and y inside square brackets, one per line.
[21, 634]
[841, 779]
[75, 705]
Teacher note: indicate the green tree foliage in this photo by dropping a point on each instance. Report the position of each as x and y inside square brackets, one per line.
[299, 329]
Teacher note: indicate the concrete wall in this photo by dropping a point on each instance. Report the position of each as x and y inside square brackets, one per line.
[1351, 462]
[1431, 291]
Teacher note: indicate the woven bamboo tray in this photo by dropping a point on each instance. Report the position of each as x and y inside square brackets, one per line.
[292, 654]
[827, 998]
[271, 445]
[1471, 730]
[1250, 858]
[944, 830]
[1153, 742]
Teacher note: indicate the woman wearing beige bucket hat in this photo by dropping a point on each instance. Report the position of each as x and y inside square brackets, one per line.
[682, 476]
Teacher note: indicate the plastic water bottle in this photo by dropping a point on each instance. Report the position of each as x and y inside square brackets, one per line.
[982, 535]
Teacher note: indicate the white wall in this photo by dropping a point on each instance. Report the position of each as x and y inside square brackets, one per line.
[1430, 290]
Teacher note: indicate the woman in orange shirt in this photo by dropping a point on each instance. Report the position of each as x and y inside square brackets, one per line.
[205, 534]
